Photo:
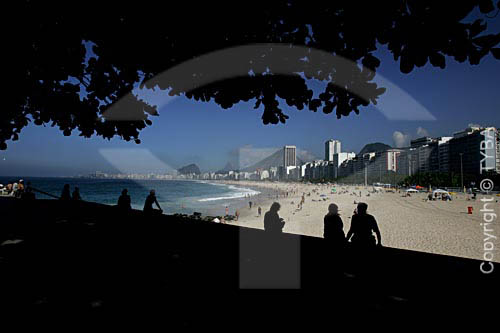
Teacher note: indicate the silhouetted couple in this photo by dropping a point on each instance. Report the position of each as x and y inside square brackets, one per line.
[363, 225]
[273, 223]
[124, 202]
[65, 195]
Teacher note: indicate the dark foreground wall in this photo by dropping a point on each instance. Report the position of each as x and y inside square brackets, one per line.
[92, 260]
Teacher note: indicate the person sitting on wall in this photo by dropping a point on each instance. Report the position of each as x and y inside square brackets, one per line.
[124, 200]
[333, 231]
[150, 200]
[362, 227]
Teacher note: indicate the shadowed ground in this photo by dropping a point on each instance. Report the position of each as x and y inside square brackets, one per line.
[91, 260]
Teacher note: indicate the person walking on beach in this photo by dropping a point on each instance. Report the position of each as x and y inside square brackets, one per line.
[273, 223]
[237, 214]
[124, 200]
[76, 194]
[249, 205]
[65, 195]
[150, 200]
[259, 210]
[362, 227]
[333, 231]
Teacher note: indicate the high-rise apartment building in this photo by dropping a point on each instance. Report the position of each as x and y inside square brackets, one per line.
[289, 156]
[332, 147]
[475, 150]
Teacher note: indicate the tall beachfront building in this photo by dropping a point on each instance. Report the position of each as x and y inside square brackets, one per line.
[289, 156]
[475, 150]
[332, 147]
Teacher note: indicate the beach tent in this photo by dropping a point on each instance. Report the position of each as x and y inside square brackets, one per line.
[439, 191]
[412, 190]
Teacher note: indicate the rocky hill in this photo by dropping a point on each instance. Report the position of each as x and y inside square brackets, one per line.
[374, 147]
[189, 169]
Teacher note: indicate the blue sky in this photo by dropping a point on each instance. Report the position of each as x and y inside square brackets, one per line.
[195, 132]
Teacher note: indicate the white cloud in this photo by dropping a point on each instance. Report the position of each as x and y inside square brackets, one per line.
[421, 132]
[400, 139]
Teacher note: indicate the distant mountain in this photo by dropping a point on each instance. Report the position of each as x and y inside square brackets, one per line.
[189, 169]
[229, 167]
[276, 159]
[374, 147]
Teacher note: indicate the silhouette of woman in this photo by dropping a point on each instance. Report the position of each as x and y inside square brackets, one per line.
[362, 227]
[272, 221]
[124, 200]
[65, 195]
[333, 227]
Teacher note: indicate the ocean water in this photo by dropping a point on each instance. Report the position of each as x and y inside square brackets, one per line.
[174, 196]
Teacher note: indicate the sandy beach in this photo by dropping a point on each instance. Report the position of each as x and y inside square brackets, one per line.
[441, 227]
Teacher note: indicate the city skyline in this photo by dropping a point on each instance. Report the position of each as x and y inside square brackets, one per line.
[338, 156]
[424, 155]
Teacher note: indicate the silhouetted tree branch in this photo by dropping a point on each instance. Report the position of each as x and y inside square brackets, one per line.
[133, 43]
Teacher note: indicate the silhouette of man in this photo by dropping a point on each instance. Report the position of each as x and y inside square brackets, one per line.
[76, 194]
[333, 227]
[150, 200]
[28, 193]
[124, 200]
[272, 221]
[362, 227]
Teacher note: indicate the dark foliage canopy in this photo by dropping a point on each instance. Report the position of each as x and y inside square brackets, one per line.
[135, 41]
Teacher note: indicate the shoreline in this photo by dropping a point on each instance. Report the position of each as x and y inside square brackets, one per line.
[411, 223]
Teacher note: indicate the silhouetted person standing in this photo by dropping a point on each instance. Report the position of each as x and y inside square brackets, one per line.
[65, 195]
[272, 221]
[333, 227]
[124, 200]
[362, 227]
[76, 194]
[150, 200]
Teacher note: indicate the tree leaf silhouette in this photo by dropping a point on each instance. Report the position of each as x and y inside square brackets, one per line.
[72, 64]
